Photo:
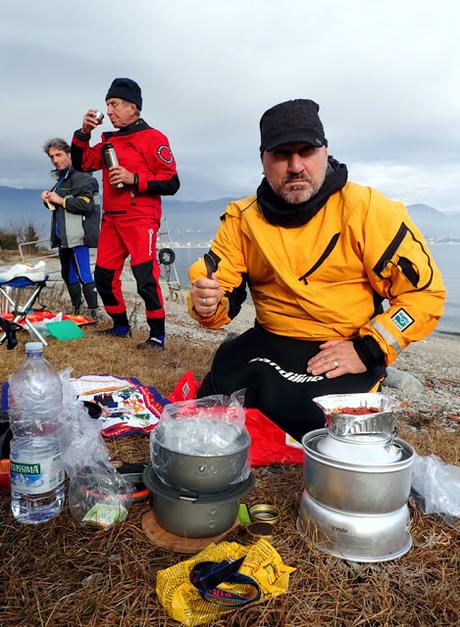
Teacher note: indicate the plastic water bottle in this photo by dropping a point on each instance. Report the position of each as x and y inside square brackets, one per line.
[34, 395]
[37, 471]
[37, 479]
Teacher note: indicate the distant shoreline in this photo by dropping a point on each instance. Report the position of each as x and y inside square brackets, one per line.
[454, 333]
[454, 242]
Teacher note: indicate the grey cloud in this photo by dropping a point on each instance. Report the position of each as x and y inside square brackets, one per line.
[385, 74]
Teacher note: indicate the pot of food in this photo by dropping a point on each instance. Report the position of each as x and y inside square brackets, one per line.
[185, 457]
[360, 415]
[355, 537]
[193, 514]
[357, 477]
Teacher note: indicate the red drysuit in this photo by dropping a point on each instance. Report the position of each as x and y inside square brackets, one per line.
[131, 215]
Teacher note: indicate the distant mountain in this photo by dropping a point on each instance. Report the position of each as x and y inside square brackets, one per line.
[435, 224]
[188, 221]
[23, 206]
[199, 220]
[193, 221]
[196, 222]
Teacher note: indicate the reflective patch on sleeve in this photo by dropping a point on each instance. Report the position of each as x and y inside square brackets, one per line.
[402, 320]
[165, 154]
[387, 337]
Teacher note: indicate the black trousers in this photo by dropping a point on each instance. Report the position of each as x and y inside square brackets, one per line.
[272, 369]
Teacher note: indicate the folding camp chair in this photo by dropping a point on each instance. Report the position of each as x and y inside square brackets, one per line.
[12, 292]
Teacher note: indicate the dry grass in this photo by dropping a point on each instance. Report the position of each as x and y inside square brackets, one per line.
[61, 574]
[8, 256]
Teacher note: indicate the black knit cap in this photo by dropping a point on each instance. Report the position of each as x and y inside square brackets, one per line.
[291, 121]
[126, 89]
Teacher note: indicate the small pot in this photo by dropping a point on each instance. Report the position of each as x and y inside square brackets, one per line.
[194, 515]
[381, 423]
[358, 538]
[200, 473]
[357, 487]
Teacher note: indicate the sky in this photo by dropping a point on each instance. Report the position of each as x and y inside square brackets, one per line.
[385, 74]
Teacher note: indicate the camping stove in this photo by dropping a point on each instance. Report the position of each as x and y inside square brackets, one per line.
[357, 480]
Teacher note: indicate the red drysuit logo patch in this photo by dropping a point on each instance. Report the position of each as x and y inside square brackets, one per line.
[150, 242]
[165, 154]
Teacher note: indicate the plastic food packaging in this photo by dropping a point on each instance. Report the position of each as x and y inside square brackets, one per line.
[436, 488]
[98, 495]
[184, 603]
[42, 325]
[203, 426]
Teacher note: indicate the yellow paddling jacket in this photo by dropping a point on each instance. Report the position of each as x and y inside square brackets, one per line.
[326, 280]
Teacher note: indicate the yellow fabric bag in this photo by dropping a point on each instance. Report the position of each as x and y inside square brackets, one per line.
[183, 602]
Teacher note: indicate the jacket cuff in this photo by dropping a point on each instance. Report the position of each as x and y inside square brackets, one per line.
[218, 319]
[84, 137]
[141, 184]
[369, 351]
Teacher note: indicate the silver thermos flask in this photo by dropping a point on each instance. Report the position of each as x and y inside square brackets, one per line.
[110, 158]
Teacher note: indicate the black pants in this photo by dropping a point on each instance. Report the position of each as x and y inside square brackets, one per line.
[272, 369]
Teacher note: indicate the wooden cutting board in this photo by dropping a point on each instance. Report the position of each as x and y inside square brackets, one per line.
[178, 544]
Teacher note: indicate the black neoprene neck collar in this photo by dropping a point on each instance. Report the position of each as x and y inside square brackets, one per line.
[281, 213]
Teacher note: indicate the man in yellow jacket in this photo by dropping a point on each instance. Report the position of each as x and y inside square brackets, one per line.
[320, 255]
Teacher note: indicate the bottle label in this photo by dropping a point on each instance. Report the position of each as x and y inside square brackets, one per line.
[37, 478]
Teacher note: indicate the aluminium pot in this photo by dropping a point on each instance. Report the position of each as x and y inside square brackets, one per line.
[356, 487]
[200, 473]
[194, 515]
[381, 423]
[355, 537]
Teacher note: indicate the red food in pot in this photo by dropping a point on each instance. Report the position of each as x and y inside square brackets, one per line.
[356, 411]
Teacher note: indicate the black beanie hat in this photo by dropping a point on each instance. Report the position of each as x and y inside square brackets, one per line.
[291, 121]
[126, 89]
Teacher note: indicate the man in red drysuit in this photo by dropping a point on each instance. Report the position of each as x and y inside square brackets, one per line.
[131, 204]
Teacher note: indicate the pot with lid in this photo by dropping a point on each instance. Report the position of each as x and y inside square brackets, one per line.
[193, 514]
[200, 466]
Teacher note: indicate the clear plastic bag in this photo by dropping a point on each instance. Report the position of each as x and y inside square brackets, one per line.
[202, 444]
[203, 426]
[436, 488]
[98, 495]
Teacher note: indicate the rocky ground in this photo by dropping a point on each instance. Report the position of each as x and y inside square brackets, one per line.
[436, 363]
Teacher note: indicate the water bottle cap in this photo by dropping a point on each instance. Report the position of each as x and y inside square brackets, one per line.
[34, 347]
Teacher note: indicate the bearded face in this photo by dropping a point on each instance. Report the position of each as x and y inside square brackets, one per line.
[295, 171]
